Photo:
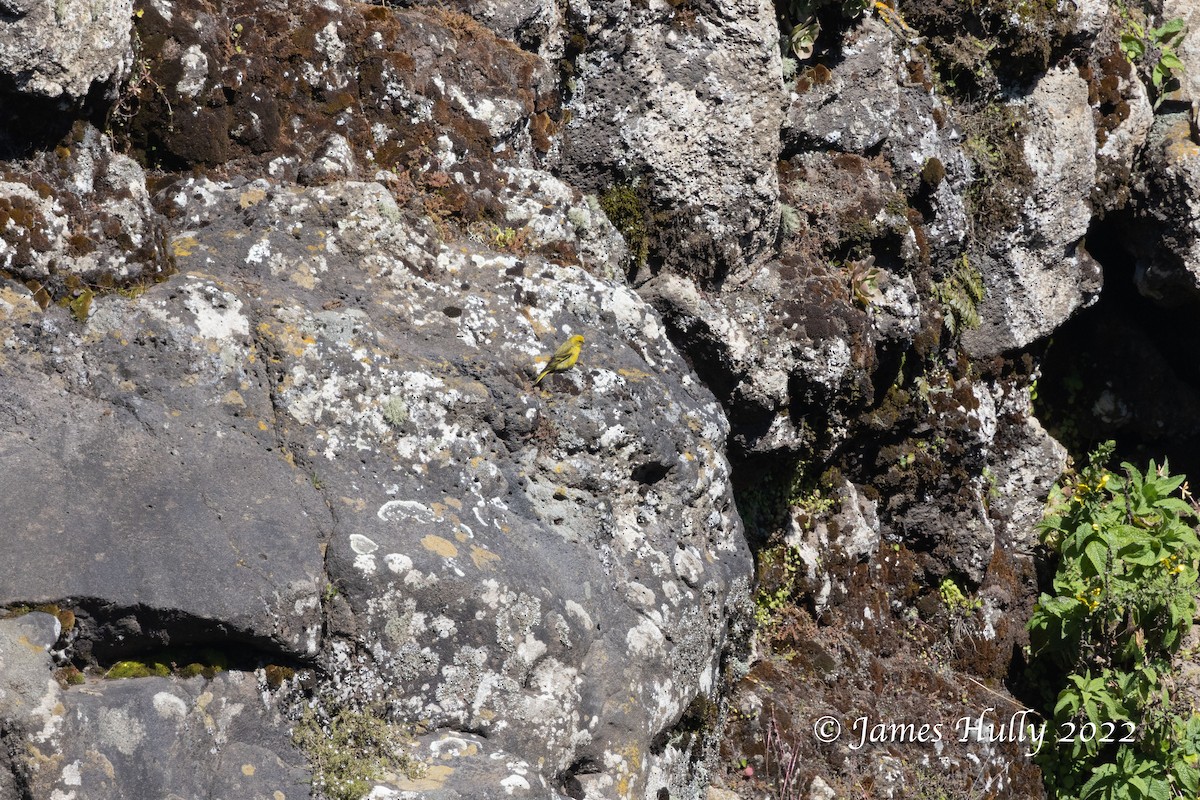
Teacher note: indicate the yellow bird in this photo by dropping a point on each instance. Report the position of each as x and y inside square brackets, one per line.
[564, 358]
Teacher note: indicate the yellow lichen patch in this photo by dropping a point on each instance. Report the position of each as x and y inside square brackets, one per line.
[435, 776]
[15, 305]
[263, 426]
[483, 558]
[304, 280]
[631, 763]
[436, 544]
[1180, 146]
[24, 642]
[184, 246]
[278, 795]
[251, 197]
[356, 503]
[247, 770]
[633, 374]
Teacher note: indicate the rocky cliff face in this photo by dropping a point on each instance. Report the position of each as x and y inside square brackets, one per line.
[286, 515]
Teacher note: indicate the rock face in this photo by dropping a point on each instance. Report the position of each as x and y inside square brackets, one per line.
[275, 473]
[59, 50]
[1026, 273]
[643, 85]
[551, 570]
[1168, 267]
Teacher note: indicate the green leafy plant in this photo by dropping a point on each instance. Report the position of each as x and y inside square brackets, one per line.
[864, 281]
[1122, 599]
[1153, 48]
[779, 567]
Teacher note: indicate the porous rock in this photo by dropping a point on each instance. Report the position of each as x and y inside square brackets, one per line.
[1039, 273]
[1166, 228]
[854, 105]
[646, 82]
[60, 49]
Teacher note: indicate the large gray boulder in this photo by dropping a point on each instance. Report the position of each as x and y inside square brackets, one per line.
[1038, 272]
[329, 410]
[1166, 228]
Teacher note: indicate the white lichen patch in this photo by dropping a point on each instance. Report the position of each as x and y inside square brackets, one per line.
[645, 640]
[218, 313]
[194, 65]
[120, 730]
[362, 545]
[514, 782]
[168, 706]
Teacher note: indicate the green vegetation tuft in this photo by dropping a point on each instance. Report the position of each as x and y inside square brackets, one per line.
[352, 750]
[137, 669]
[1154, 50]
[628, 211]
[960, 294]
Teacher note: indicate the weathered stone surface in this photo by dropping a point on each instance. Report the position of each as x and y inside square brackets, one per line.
[853, 106]
[647, 82]
[1039, 273]
[1125, 115]
[1166, 235]
[60, 49]
[1187, 49]
[403, 92]
[142, 456]
[536, 25]
[154, 737]
[77, 217]
[515, 563]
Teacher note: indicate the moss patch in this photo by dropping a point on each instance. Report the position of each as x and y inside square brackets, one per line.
[628, 210]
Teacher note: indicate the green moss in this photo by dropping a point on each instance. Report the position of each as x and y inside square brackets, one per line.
[352, 750]
[628, 211]
[137, 669]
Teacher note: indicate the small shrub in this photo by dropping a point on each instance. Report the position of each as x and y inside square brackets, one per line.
[1123, 596]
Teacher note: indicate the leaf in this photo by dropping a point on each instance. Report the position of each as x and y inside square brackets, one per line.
[1095, 557]
[1168, 28]
[1132, 47]
[1171, 62]
[1189, 778]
